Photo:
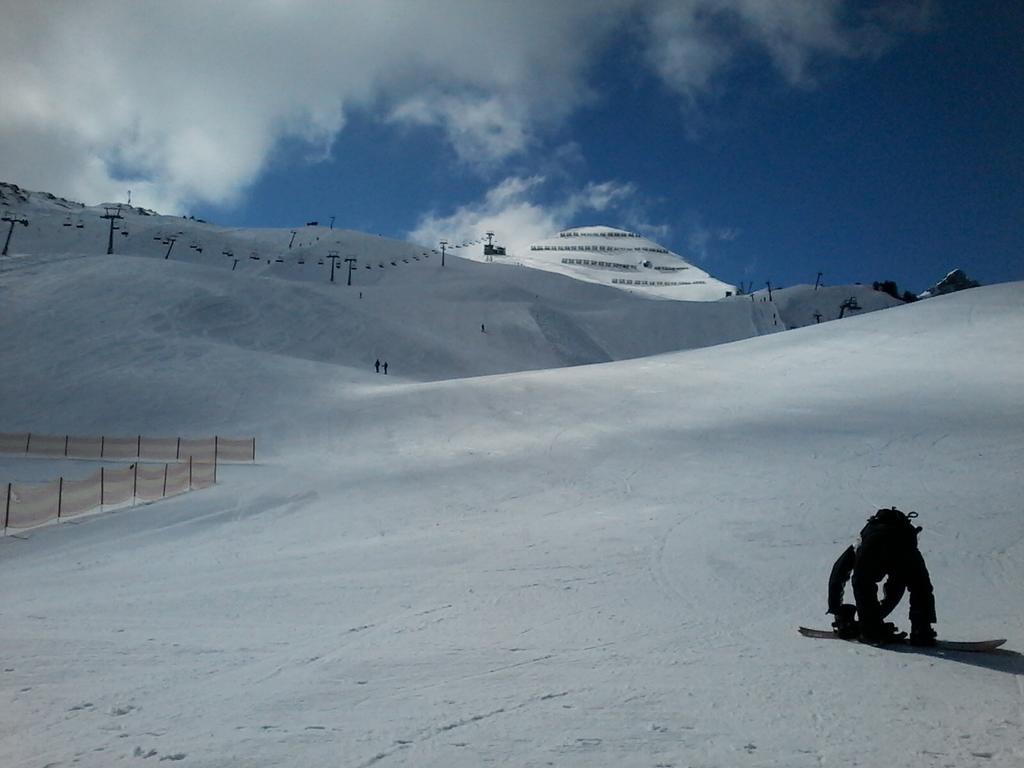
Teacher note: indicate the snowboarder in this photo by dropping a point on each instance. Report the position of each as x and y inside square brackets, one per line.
[887, 549]
[376, 366]
[385, 367]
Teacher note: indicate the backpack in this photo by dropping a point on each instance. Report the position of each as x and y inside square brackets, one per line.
[891, 524]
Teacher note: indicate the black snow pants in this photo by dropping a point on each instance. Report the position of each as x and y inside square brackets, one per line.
[879, 557]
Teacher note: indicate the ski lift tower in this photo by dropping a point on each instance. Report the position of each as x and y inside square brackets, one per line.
[491, 250]
[14, 218]
[169, 241]
[113, 214]
[334, 256]
[444, 244]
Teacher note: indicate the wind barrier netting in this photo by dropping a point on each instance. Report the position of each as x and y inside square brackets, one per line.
[28, 505]
[188, 464]
[126, 448]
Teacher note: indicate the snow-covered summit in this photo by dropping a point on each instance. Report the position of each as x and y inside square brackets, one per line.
[14, 197]
[955, 280]
[625, 260]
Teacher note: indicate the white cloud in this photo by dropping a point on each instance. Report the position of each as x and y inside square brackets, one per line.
[701, 239]
[693, 43]
[184, 101]
[657, 232]
[484, 130]
[599, 196]
[511, 210]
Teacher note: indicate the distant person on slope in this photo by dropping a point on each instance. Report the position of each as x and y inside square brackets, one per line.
[887, 548]
[376, 366]
[385, 367]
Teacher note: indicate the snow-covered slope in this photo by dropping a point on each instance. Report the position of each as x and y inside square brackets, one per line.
[596, 565]
[469, 318]
[800, 305]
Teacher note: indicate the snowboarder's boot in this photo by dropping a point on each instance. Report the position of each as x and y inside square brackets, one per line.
[922, 635]
[881, 634]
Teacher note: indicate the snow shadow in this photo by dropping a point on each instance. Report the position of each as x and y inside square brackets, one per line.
[999, 660]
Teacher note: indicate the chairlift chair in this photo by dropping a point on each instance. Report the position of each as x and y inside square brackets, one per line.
[80, 224]
[67, 221]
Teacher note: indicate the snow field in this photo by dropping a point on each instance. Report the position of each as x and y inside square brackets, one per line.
[596, 565]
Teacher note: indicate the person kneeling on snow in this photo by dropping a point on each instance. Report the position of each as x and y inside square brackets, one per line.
[887, 548]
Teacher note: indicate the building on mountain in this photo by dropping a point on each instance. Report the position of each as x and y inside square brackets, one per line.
[624, 260]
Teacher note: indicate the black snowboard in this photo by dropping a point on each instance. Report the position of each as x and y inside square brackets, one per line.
[973, 646]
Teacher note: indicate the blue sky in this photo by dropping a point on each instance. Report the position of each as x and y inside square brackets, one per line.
[760, 140]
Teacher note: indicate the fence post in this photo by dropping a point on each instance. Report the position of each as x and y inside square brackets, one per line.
[7, 509]
[103, 444]
[190, 472]
[165, 482]
[216, 445]
[135, 483]
[28, 442]
[66, 438]
[138, 448]
[177, 451]
[254, 450]
[60, 497]
[101, 488]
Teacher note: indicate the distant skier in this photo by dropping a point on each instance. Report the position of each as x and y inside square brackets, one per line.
[385, 367]
[376, 366]
[887, 549]
[482, 330]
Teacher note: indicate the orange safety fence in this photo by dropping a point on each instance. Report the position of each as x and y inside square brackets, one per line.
[28, 505]
[209, 449]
